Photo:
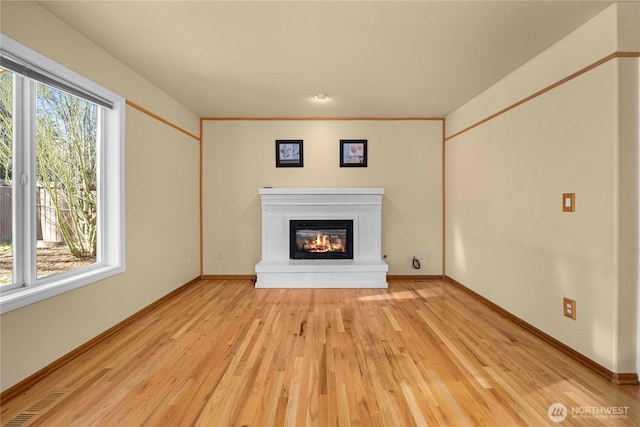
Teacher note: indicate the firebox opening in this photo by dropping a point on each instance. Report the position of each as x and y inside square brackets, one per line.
[321, 239]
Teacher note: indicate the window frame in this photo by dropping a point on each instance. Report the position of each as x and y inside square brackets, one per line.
[110, 258]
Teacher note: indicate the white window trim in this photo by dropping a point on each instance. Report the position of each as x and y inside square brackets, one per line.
[112, 195]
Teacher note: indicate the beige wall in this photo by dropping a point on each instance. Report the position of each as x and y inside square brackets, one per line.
[162, 238]
[507, 237]
[559, 61]
[404, 157]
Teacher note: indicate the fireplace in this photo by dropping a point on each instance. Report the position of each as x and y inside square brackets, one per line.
[321, 239]
[347, 254]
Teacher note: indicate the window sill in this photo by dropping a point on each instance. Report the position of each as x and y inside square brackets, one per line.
[23, 297]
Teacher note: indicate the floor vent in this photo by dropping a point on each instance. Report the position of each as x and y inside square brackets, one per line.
[28, 414]
[19, 420]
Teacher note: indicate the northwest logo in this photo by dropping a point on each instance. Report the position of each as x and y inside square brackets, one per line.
[557, 412]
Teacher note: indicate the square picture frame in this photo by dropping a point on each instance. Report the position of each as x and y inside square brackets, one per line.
[289, 153]
[353, 153]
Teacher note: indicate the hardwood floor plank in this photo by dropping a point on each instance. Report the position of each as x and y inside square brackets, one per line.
[222, 353]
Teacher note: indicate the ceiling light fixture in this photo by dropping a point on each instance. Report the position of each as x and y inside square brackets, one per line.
[321, 96]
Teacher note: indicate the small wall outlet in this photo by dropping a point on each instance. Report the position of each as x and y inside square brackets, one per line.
[421, 255]
[220, 255]
[569, 308]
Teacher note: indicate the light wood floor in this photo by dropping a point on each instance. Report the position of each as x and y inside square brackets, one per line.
[222, 353]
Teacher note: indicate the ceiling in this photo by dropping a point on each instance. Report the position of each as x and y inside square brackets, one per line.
[373, 58]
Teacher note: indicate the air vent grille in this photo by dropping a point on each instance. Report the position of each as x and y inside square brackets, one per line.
[36, 409]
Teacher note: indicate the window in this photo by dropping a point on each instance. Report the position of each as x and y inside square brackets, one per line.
[61, 179]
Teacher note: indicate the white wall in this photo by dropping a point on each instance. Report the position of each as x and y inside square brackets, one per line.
[507, 237]
[404, 157]
[161, 206]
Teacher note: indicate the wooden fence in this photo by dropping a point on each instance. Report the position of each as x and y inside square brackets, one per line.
[6, 214]
[47, 229]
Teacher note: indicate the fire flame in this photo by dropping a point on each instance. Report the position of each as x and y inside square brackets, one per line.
[323, 243]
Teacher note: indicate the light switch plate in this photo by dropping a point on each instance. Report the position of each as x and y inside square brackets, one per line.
[569, 202]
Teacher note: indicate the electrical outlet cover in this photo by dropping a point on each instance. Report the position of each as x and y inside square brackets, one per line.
[569, 308]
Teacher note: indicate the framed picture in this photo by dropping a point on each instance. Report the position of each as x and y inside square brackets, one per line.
[289, 153]
[353, 153]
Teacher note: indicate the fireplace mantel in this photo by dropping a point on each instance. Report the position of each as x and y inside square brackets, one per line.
[281, 205]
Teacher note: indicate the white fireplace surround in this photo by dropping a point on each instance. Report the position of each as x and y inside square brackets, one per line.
[362, 205]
